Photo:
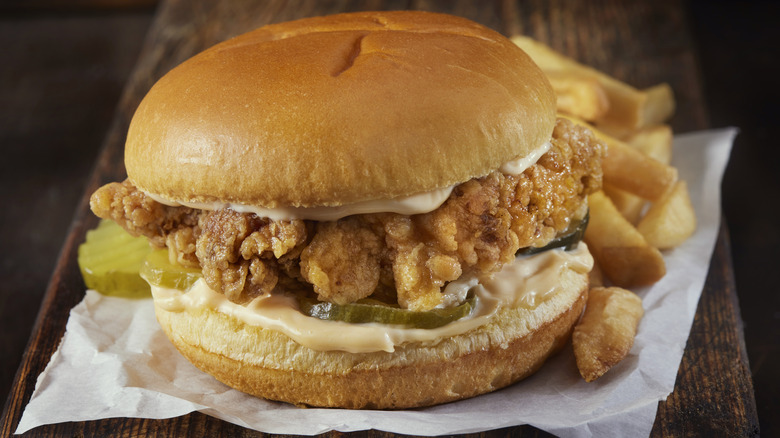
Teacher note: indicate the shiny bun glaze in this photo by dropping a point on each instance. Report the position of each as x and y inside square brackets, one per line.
[335, 110]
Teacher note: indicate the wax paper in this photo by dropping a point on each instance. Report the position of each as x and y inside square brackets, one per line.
[114, 360]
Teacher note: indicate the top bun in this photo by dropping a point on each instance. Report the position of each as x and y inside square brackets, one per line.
[340, 109]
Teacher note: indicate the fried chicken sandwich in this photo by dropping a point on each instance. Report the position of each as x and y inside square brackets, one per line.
[360, 210]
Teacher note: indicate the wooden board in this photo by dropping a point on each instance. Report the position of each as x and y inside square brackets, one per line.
[643, 43]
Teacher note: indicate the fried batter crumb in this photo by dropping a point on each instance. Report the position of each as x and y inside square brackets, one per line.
[480, 227]
[343, 260]
[238, 252]
[139, 214]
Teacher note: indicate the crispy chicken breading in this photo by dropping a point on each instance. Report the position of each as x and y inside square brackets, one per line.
[342, 261]
[141, 215]
[238, 252]
[480, 227]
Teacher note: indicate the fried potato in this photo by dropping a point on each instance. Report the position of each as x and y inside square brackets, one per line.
[656, 143]
[635, 109]
[659, 104]
[629, 205]
[606, 332]
[629, 108]
[579, 96]
[653, 141]
[622, 252]
[595, 276]
[628, 169]
[548, 59]
[671, 220]
[636, 173]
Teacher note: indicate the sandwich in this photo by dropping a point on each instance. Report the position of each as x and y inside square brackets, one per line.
[366, 210]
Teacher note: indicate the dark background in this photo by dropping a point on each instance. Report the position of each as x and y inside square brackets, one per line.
[63, 66]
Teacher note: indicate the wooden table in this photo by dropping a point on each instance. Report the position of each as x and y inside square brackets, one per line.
[643, 43]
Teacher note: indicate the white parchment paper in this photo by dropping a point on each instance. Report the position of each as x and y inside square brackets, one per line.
[114, 360]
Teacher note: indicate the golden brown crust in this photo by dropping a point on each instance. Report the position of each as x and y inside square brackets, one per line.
[335, 110]
[268, 364]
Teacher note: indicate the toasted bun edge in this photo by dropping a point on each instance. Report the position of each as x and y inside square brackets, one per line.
[268, 364]
[340, 109]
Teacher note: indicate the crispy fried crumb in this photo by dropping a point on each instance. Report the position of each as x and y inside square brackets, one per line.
[478, 229]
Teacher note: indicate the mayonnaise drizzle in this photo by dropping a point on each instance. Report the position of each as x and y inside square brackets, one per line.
[407, 205]
[518, 165]
[526, 282]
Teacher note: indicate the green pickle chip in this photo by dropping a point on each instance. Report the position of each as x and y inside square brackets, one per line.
[115, 263]
[369, 311]
[110, 260]
[567, 239]
[159, 271]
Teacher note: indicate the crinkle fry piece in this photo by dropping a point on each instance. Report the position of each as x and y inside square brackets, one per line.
[606, 332]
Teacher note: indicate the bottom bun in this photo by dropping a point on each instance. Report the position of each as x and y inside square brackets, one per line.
[268, 364]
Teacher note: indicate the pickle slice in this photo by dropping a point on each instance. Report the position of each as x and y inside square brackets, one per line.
[110, 260]
[567, 239]
[374, 312]
[159, 271]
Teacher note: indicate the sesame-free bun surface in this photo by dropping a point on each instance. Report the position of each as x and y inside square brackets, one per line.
[339, 109]
[268, 364]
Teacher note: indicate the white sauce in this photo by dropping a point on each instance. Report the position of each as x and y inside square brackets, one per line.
[518, 165]
[526, 282]
[407, 205]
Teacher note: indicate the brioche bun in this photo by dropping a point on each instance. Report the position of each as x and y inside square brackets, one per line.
[335, 110]
[268, 364]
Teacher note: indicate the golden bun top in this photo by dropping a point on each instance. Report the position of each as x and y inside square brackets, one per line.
[339, 109]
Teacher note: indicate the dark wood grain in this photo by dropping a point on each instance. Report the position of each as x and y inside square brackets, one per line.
[641, 42]
[713, 385]
[49, 143]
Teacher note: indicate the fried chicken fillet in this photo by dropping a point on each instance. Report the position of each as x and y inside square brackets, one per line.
[389, 256]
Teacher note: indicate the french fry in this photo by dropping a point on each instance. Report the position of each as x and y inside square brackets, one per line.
[635, 109]
[581, 97]
[671, 220]
[653, 141]
[622, 252]
[548, 59]
[636, 173]
[606, 332]
[659, 104]
[629, 108]
[595, 276]
[628, 169]
[629, 205]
